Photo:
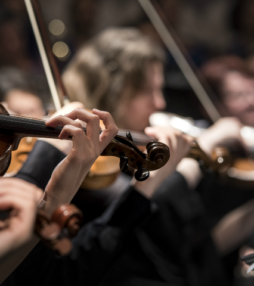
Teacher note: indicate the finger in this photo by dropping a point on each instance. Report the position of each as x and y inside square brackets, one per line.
[110, 130]
[38, 194]
[92, 120]
[189, 138]
[62, 121]
[17, 203]
[22, 194]
[78, 136]
[18, 187]
[158, 134]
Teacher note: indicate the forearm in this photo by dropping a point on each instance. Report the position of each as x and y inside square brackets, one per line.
[190, 170]
[234, 228]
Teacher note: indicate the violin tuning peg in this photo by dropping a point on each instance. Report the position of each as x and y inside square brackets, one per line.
[74, 225]
[50, 232]
[62, 247]
[128, 136]
[141, 174]
[124, 164]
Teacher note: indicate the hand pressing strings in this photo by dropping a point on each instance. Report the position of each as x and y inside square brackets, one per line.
[71, 172]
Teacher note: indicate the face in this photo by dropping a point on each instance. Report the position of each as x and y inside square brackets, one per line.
[147, 101]
[238, 97]
[24, 104]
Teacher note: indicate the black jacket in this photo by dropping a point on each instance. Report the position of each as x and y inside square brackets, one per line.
[97, 245]
[173, 247]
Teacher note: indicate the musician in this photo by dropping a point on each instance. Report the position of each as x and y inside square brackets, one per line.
[65, 180]
[233, 84]
[121, 81]
[100, 242]
[19, 94]
[179, 223]
[111, 62]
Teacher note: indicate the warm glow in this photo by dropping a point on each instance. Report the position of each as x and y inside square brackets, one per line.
[56, 27]
[61, 50]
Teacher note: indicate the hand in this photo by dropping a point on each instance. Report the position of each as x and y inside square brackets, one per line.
[22, 198]
[179, 145]
[63, 145]
[224, 132]
[70, 173]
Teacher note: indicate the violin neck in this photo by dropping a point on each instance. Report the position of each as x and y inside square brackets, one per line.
[26, 127]
[140, 139]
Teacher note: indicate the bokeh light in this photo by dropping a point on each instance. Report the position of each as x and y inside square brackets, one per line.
[56, 27]
[61, 50]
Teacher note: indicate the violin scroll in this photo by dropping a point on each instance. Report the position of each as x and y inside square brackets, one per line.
[68, 217]
[157, 155]
[56, 231]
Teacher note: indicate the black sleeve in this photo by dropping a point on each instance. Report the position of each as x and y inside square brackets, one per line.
[175, 194]
[178, 210]
[95, 249]
[40, 164]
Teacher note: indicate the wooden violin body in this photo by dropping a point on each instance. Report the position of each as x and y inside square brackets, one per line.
[218, 162]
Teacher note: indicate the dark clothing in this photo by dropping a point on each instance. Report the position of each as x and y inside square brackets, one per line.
[40, 165]
[172, 248]
[96, 246]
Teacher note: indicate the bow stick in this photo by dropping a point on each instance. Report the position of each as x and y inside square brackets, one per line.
[42, 51]
[183, 64]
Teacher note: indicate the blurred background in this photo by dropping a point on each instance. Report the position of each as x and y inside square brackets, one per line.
[216, 36]
[208, 29]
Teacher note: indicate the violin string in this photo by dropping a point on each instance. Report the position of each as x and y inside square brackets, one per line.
[24, 117]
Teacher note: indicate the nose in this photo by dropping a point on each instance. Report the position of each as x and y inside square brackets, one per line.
[159, 100]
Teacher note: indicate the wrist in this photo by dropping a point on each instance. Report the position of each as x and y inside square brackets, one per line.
[190, 170]
[207, 143]
[147, 187]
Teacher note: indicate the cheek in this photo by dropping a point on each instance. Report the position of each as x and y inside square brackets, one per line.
[236, 106]
[141, 107]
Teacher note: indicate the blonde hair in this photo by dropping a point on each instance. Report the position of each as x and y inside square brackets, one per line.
[110, 69]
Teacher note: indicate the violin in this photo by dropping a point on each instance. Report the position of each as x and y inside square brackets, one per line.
[19, 156]
[235, 170]
[241, 170]
[14, 128]
[55, 231]
[58, 230]
[104, 171]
